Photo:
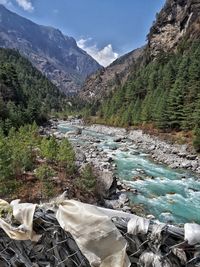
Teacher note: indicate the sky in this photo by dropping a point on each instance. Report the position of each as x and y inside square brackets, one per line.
[105, 29]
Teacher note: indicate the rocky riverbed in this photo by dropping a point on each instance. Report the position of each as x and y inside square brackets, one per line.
[111, 190]
[108, 148]
[174, 155]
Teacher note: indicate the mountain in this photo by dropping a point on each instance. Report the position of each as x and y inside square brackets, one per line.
[162, 88]
[57, 56]
[177, 20]
[106, 80]
[25, 94]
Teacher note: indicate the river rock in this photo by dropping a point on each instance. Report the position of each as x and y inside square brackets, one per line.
[124, 149]
[119, 185]
[186, 165]
[134, 153]
[58, 135]
[94, 155]
[123, 190]
[136, 178]
[105, 166]
[134, 190]
[195, 165]
[126, 209]
[118, 139]
[152, 147]
[110, 160]
[123, 199]
[67, 134]
[119, 204]
[113, 148]
[182, 154]
[78, 131]
[174, 165]
[139, 171]
[80, 156]
[106, 183]
[191, 157]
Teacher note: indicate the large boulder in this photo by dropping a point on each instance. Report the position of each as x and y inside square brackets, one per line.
[106, 183]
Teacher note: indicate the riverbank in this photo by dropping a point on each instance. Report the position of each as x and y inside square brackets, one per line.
[135, 164]
[173, 155]
[111, 191]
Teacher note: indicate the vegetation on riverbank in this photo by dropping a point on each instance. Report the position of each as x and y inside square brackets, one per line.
[34, 167]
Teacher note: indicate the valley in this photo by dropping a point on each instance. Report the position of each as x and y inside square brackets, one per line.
[105, 156]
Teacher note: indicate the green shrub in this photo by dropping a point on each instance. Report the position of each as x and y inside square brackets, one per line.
[49, 148]
[8, 187]
[44, 173]
[87, 180]
[66, 156]
[6, 170]
[196, 139]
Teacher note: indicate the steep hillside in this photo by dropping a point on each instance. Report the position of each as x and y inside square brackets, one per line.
[165, 92]
[106, 80]
[177, 20]
[25, 94]
[163, 88]
[54, 54]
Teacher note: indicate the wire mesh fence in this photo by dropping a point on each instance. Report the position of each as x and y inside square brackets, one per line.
[162, 246]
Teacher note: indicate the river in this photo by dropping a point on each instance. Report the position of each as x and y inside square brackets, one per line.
[171, 195]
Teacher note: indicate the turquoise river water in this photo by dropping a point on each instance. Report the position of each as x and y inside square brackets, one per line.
[169, 195]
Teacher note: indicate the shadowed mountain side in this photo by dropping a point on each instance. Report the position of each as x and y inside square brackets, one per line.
[54, 54]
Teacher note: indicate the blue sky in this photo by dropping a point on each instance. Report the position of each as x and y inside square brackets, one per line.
[104, 28]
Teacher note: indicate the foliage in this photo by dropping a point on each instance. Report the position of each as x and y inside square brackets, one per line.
[25, 94]
[87, 179]
[44, 173]
[24, 150]
[164, 92]
[7, 183]
[196, 140]
[16, 155]
[66, 156]
[49, 148]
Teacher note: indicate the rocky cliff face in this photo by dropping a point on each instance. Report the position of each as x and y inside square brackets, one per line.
[178, 18]
[54, 54]
[106, 80]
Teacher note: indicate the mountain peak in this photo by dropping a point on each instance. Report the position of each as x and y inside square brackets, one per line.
[53, 53]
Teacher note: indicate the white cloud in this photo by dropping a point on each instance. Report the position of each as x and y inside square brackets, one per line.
[7, 3]
[104, 56]
[25, 4]
[4, 2]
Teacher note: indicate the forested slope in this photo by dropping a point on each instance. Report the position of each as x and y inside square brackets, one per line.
[163, 85]
[165, 92]
[25, 94]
